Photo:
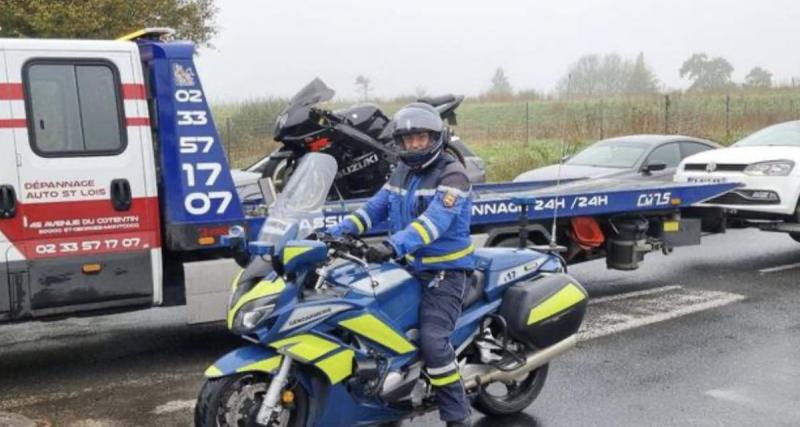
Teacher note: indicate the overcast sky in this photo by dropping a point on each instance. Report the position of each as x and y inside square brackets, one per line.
[273, 48]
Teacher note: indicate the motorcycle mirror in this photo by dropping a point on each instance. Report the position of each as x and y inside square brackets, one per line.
[268, 192]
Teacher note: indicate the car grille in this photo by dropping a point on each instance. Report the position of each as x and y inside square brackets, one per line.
[730, 167]
[738, 199]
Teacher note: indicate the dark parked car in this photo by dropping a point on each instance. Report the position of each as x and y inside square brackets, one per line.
[632, 156]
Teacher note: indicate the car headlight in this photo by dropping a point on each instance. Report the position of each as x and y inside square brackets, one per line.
[772, 168]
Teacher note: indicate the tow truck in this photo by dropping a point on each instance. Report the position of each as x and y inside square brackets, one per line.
[115, 191]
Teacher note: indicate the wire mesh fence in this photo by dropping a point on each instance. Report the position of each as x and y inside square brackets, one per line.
[520, 135]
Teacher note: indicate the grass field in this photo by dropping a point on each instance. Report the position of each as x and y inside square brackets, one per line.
[516, 136]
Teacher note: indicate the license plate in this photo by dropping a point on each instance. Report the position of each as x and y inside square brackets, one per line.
[707, 179]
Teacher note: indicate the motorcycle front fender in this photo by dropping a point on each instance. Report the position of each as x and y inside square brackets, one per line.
[252, 358]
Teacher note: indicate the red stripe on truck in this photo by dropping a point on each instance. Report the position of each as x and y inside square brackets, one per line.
[11, 91]
[43, 230]
[137, 121]
[13, 123]
[133, 91]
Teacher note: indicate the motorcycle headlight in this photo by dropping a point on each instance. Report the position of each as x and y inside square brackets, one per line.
[251, 314]
[772, 168]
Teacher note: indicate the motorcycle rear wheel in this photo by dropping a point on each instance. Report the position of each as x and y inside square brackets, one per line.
[277, 168]
[235, 400]
[518, 396]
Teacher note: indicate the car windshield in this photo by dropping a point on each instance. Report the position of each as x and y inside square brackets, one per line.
[610, 154]
[786, 134]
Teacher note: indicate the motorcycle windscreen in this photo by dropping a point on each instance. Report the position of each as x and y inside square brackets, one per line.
[300, 203]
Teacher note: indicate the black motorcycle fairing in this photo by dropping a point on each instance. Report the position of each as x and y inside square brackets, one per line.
[297, 111]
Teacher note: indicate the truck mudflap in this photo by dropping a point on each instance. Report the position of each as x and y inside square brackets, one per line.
[198, 196]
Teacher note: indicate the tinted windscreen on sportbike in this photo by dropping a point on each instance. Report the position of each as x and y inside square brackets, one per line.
[313, 93]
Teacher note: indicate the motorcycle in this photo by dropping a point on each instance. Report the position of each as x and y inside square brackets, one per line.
[334, 339]
[359, 138]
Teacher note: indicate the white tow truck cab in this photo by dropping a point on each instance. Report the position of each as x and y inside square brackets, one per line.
[95, 191]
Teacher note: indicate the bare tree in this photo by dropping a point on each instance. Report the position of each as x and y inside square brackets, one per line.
[363, 86]
[501, 88]
[642, 80]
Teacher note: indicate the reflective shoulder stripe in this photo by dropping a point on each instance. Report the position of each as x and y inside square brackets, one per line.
[428, 192]
[357, 221]
[363, 215]
[431, 227]
[426, 238]
[456, 191]
[397, 190]
[449, 257]
[450, 379]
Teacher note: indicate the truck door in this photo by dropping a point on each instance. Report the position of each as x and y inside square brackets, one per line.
[8, 189]
[90, 218]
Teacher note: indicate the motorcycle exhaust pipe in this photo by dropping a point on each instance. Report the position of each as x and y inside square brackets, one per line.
[476, 375]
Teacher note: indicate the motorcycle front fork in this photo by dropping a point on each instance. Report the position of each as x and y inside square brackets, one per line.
[271, 403]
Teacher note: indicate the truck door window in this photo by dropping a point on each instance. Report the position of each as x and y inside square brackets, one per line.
[74, 108]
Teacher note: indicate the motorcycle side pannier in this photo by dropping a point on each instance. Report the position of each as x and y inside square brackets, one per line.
[544, 311]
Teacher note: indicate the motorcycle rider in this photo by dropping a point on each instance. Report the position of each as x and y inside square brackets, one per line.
[428, 203]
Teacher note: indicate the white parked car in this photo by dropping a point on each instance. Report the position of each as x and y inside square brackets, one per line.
[768, 164]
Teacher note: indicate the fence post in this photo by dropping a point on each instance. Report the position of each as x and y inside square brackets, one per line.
[666, 114]
[527, 124]
[727, 119]
[602, 119]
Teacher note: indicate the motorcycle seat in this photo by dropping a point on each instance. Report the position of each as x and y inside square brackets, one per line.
[474, 291]
[438, 100]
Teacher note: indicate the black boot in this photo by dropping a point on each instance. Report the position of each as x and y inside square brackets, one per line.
[466, 422]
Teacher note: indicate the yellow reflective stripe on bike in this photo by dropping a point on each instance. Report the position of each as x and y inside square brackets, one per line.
[306, 347]
[213, 372]
[267, 365]
[262, 289]
[446, 257]
[373, 328]
[337, 367]
[565, 298]
[426, 238]
[292, 251]
[235, 283]
[450, 379]
[357, 221]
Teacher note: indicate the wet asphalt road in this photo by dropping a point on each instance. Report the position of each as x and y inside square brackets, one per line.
[737, 364]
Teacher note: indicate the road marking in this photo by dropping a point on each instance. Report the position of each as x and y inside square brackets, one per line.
[630, 295]
[611, 315]
[174, 406]
[779, 268]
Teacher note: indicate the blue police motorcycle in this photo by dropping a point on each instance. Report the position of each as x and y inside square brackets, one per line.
[334, 339]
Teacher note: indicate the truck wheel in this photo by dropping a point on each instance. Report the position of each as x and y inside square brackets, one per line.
[235, 400]
[278, 168]
[498, 399]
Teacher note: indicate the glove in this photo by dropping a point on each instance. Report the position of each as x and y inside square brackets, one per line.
[379, 253]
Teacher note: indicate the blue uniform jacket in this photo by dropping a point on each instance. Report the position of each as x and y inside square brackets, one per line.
[429, 214]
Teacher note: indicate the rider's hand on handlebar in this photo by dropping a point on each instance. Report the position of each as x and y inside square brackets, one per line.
[379, 253]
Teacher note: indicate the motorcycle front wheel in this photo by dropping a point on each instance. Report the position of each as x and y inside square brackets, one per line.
[235, 400]
[498, 399]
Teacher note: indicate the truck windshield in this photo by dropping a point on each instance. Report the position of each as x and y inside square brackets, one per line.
[308, 186]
